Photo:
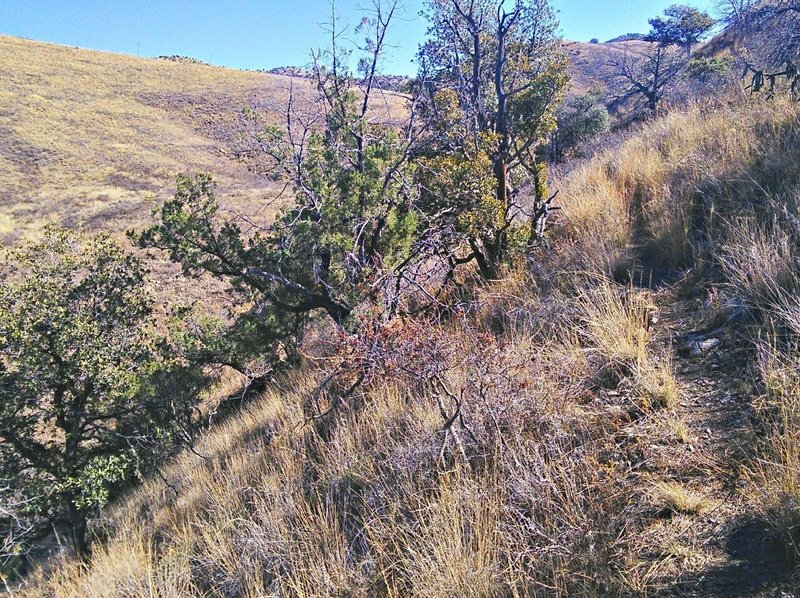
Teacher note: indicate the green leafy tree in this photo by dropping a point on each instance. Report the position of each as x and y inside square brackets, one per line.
[681, 25]
[351, 225]
[493, 74]
[81, 368]
[581, 118]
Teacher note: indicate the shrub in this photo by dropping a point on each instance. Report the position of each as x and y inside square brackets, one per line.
[80, 369]
[706, 69]
[582, 118]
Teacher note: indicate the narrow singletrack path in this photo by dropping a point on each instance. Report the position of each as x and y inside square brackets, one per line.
[703, 446]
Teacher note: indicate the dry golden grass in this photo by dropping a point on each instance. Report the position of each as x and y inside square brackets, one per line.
[519, 497]
[775, 475]
[666, 195]
[655, 381]
[274, 508]
[681, 431]
[763, 263]
[86, 137]
[677, 498]
[590, 62]
[86, 141]
[536, 490]
[616, 324]
[714, 190]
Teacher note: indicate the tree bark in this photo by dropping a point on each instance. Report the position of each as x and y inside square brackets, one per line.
[78, 525]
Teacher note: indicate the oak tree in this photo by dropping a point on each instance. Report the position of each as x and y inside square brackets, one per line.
[80, 370]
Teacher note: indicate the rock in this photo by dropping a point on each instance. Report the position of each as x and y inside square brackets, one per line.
[698, 346]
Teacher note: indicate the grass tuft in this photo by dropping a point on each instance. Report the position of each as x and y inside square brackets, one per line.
[674, 497]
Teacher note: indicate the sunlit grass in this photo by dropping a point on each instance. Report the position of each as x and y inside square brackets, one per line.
[89, 136]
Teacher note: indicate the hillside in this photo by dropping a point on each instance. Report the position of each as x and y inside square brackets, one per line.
[608, 408]
[590, 62]
[87, 137]
[571, 433]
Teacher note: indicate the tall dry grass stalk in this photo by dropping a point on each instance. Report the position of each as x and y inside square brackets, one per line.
[775, 473]
[664, 195]
[615, 324]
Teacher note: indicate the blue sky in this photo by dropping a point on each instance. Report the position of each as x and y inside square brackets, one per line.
[256, 34]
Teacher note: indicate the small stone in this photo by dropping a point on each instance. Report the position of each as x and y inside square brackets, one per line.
[699, 347]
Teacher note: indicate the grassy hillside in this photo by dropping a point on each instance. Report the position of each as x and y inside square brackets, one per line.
[86, 137]
[617, 416]
[570, 433]
[590, 62]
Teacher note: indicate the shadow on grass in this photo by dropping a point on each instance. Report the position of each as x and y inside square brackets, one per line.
[760, 565]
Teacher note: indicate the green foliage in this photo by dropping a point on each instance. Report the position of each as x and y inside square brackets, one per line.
[712, 67]
[352, 223]
[252, 342]
[91, 485]
[258, 336]
[459, 189]
[80, 364]
[346, 227]
[491, 80]
[681, 25]
[580, 119]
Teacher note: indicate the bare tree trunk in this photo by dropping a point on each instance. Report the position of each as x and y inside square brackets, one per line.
[77, 528]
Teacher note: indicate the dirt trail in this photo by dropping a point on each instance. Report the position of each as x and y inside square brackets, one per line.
[717, 548]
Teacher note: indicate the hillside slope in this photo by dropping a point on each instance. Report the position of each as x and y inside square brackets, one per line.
[591, 63]
[87, 136]
[568, 432]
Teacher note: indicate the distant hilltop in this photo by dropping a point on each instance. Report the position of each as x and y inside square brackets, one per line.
[179, 58]
[290, 71]
[395, 83]
[628, 37]
[389, 82]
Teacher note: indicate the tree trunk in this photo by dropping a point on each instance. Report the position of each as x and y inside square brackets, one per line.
[78, 525]
[486, 262]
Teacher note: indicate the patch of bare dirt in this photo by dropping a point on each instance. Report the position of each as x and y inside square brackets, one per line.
[703, 445]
